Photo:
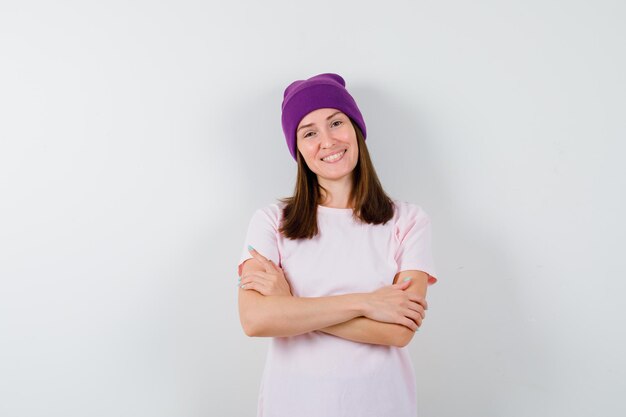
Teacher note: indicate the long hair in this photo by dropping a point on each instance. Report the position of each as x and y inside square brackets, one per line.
[370, 202]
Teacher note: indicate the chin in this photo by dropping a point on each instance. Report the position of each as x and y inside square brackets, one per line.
[334, 175]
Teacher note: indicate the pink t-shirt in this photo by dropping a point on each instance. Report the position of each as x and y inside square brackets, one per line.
[317, 374]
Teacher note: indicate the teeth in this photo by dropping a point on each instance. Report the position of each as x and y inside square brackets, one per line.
[333, 157]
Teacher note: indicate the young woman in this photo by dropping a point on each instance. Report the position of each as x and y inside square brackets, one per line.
[336, 274]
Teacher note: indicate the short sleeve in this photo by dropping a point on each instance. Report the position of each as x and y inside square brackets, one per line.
[262, 236]
[415, 235]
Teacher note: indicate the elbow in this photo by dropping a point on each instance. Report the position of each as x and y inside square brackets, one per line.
[251, 318]
[257, 320]
[401, 343]
[403, 337]
[255, 326]
[250, 327]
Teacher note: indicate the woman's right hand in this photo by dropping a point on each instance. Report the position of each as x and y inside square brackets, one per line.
[272, 281]
[391, 304]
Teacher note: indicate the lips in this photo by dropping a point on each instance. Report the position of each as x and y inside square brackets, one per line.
[337, 159]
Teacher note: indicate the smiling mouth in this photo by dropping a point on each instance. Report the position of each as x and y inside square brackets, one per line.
[335, 158]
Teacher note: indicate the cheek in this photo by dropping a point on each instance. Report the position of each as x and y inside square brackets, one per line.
[307, 155]
[348, 135]
[301, 148]
[306, 148]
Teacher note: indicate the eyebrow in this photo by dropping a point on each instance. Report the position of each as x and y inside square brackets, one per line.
[311, 124]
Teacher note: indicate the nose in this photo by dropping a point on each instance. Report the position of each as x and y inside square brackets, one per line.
[327, 140]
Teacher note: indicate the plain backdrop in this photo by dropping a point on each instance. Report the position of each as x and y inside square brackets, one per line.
[138, 137]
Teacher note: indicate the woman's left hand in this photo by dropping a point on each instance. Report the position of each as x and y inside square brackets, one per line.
[272, 281]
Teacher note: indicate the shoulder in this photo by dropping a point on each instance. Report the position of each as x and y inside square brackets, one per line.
[405, 211]
[270, 213]
[272, 209]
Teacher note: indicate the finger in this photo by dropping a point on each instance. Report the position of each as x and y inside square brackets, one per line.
[266, 263]
[273, 281]
[256, 254]
[253, 279]
[415, 316]
[416, 307]
[255, 286]
[408, 323]
[247, 285]
[276, 267]
[260, 274]
[402, 285]
[418, 299]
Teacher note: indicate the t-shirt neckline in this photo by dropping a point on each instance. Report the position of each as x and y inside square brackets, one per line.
[325, 209]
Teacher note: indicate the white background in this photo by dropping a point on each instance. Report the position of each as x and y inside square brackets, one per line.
[137, 139]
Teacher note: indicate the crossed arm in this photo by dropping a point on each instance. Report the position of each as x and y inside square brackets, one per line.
[341, 315]
[366, 330]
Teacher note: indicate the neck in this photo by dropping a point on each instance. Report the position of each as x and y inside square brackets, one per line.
[338, 192]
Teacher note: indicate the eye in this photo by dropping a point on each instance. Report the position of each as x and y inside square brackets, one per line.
[306, 134]
[336, 121]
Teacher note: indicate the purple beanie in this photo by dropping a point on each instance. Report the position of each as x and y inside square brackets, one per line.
[301, 97]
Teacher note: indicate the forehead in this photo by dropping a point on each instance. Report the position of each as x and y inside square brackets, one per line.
[318, 115]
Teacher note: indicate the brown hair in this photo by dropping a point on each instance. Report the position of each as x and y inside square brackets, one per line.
[370, 202]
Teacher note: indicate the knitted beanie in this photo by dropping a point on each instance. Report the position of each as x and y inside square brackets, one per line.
[301, 97]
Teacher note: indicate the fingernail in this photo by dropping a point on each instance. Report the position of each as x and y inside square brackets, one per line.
[250, 247]
[406, 279]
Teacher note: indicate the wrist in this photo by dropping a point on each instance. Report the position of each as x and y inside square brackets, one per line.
[359, 304]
